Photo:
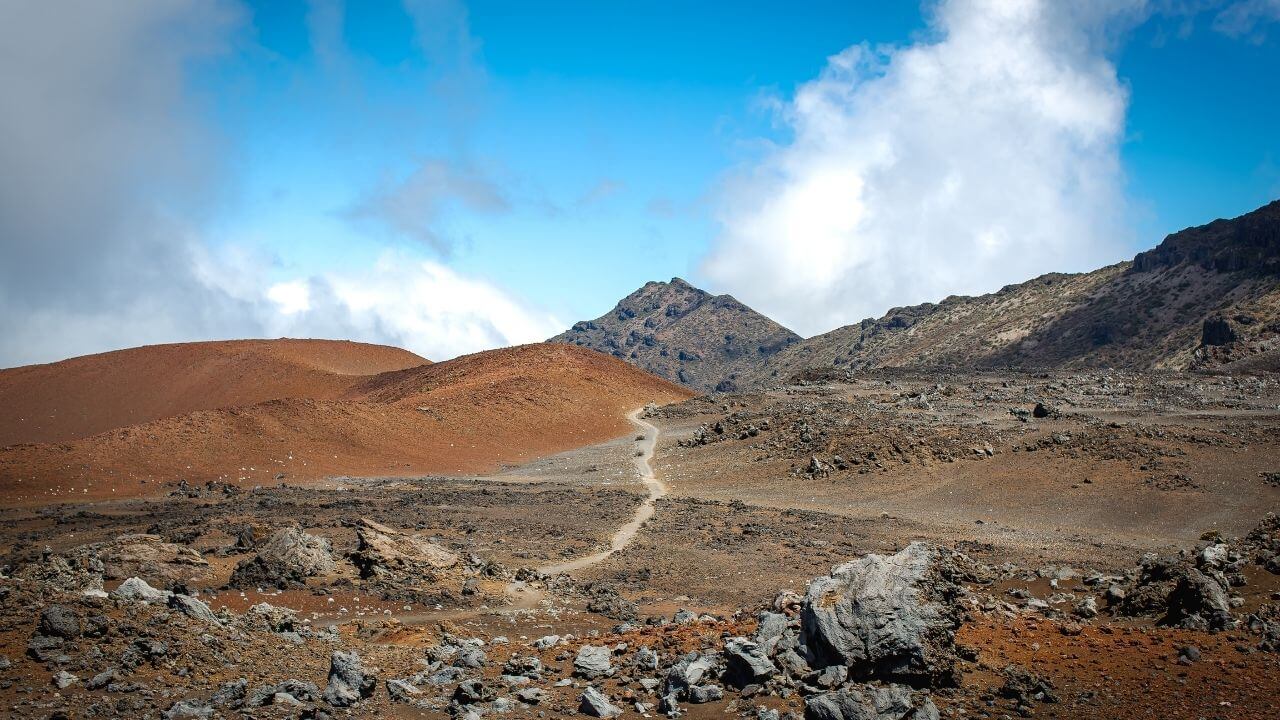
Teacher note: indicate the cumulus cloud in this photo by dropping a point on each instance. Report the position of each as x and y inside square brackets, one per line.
[984, 154]
[420, 305]
[105, 166]
[111, 179]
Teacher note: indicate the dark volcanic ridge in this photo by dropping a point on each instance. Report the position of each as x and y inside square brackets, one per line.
[676, 331]
[1204, 299]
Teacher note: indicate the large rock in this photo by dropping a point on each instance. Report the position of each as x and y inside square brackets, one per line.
[349, 680]
[1199, 602]
[866, 702]
[54, 572]
[193, 607]
[593, 661]
[60, 621]
[137, 590]
[383, 552]
[746, 663]
[287, 559]
[891, 618]
[596, 704]
[147, 556]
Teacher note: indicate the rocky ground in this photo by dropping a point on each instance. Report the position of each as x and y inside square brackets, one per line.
[1096, 545]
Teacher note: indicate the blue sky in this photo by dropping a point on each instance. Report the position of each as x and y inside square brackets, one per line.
[821, 161]
[608, 123]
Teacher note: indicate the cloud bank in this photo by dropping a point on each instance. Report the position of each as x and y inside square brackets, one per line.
[110, 177]
[985, 154]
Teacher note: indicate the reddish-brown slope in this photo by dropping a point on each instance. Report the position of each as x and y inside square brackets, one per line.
[87, 395]
[470, 414]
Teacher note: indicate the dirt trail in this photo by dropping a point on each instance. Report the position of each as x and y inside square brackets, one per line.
[524, 597]
[624, 535]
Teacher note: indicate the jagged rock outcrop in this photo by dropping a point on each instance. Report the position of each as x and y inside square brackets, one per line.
[287, 559]
[885, 617]
[383, 552]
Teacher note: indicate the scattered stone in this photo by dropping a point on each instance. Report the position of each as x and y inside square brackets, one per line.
[188, 710]
[596, 704]
[891, 702]
[402, 691]
[746, 663]
[349, 681]
[193, 607]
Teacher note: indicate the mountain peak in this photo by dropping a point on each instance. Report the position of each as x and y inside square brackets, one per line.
[683, 333]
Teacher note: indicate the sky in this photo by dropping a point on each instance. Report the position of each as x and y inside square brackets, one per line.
[451, 177]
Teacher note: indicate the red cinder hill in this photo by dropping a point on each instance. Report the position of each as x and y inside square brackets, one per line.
[87, 395]
[471, 414]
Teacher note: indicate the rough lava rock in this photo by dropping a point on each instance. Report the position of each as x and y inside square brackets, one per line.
[385, 552]
[891, 702]
[886, 617]
[349, 680]
[596, 704]
[137, 590]
[286, 560]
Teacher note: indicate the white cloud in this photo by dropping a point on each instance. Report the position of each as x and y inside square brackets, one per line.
[984, 155]
[416, 304]
[109, 170]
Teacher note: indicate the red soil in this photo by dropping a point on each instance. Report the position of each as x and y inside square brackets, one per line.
[87, 395]
[470, 414]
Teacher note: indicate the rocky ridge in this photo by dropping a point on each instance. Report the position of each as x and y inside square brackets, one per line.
[684, 334]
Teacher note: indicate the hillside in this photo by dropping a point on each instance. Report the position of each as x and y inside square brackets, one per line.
[684, 334]
[1206, 297]
[470, 414]
[87, 395]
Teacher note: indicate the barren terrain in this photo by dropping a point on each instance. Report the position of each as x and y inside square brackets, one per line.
[1069, 516]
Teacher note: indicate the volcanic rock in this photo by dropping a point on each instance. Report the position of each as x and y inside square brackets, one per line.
[885, 617]
[891, 702]
[349, 680]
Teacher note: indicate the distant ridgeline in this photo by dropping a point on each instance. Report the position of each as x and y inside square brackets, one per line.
[1205, 299]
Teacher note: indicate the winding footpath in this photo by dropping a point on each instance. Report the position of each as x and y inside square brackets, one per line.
[625, 534]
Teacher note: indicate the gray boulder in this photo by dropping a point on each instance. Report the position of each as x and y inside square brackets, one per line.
[746, 663]
[402, 691]
[193, 607]
[137, 590]
[287, 559]
[772, 626]
[865, 702]
[699, 694]
[349, 680]
[60, 621]
[63, 679]
[689, 671]
[596, 704]
[1199, 602]
[593, 661]
[888, 618]
[231, 693]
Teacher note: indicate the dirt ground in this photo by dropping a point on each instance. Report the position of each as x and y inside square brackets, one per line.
[766, 492]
